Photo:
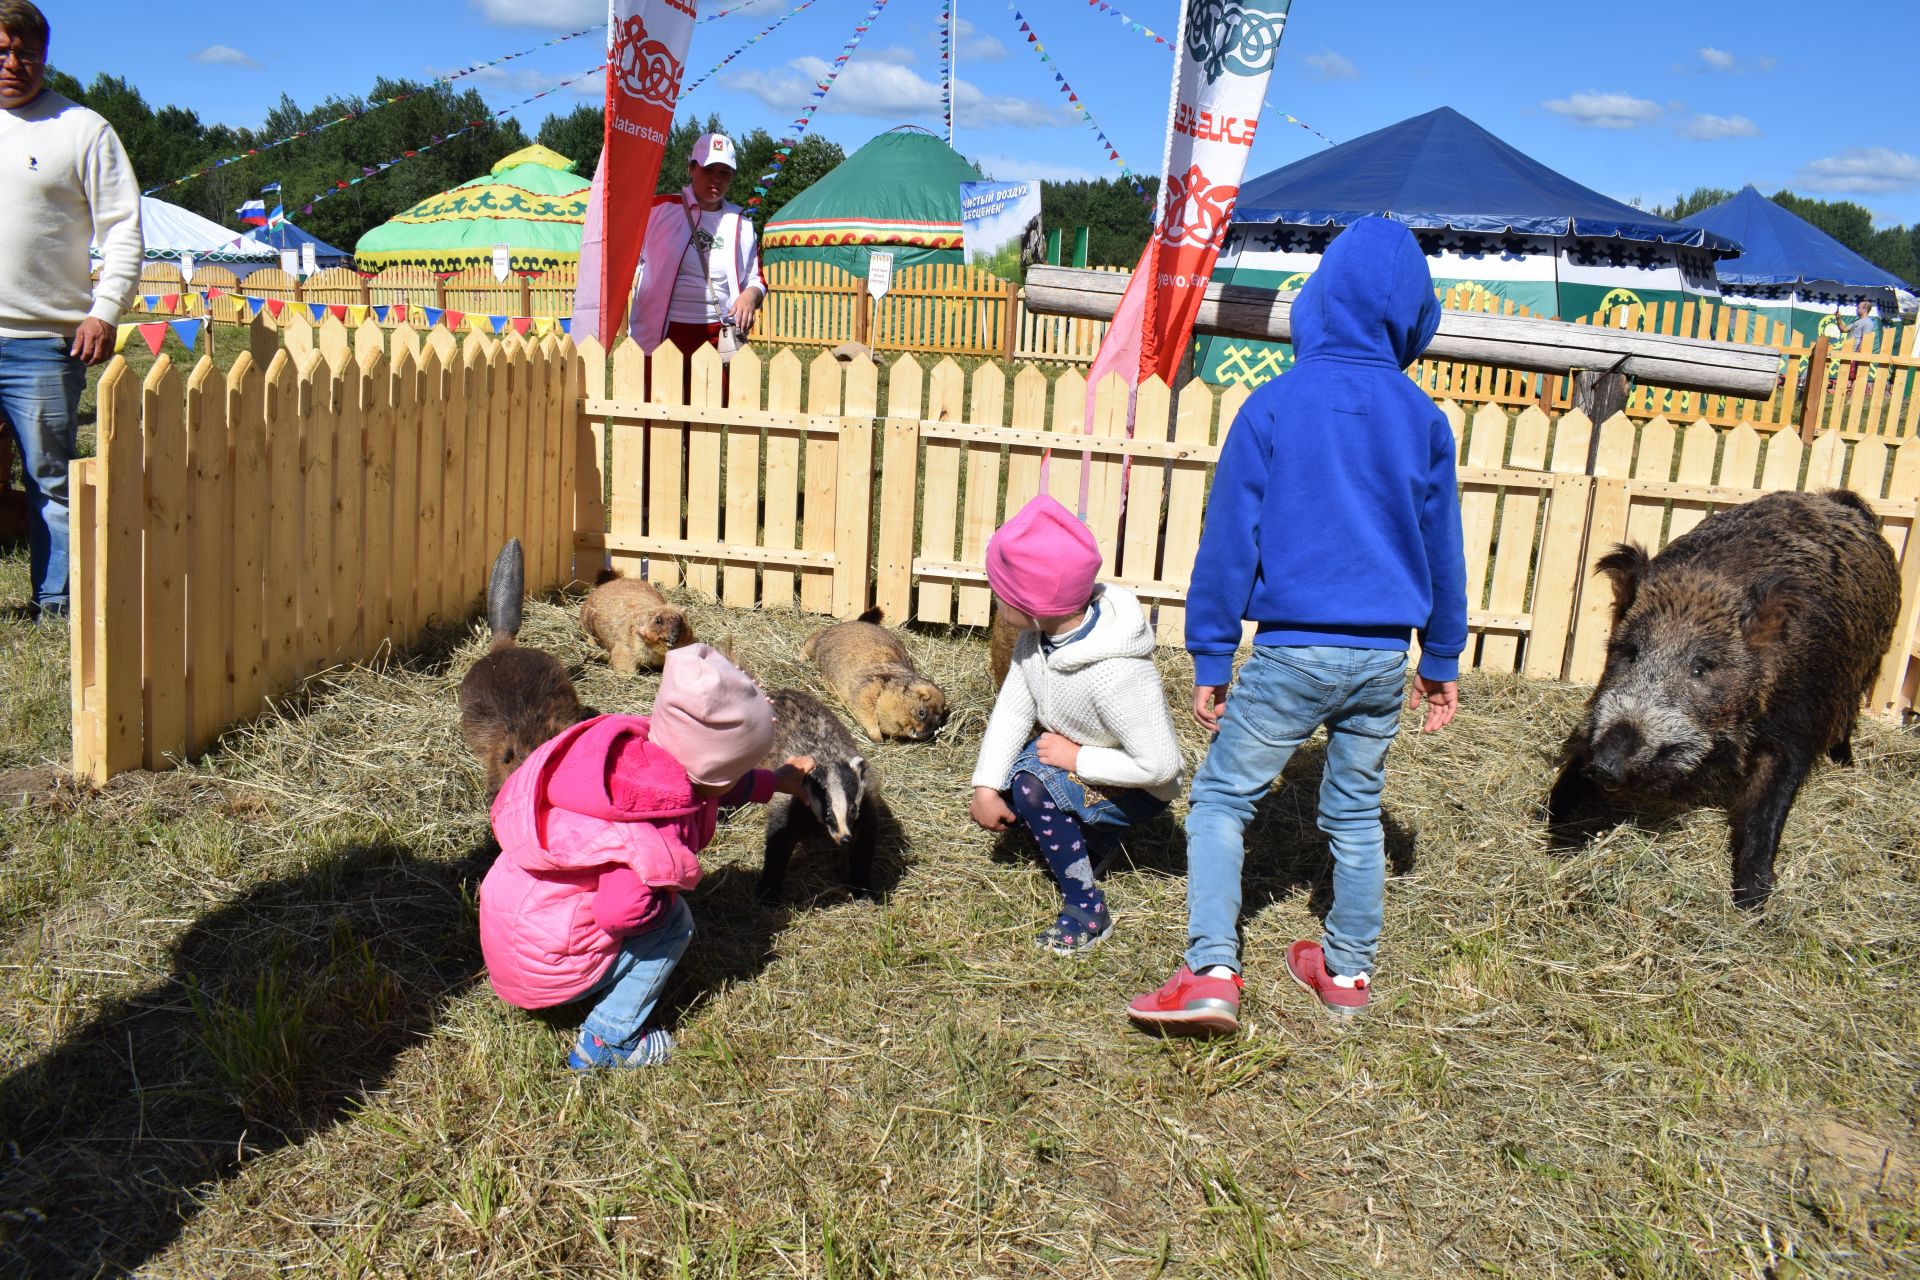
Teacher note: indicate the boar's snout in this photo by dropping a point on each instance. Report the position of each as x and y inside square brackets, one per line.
[1613, 753]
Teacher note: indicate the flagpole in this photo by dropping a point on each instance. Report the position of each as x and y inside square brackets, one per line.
[953, 68]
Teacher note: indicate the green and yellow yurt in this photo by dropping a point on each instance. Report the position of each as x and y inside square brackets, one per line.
[532, 202]
[900, 192]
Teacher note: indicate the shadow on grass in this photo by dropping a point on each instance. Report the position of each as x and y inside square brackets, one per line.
[1286, 852]
[281, 1012]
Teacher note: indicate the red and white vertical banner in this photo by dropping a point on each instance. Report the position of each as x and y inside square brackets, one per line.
[646, 61]
[1227, 50]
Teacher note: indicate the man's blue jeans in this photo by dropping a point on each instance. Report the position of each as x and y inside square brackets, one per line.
[1281, 696]
[40, 386]
[627, 992]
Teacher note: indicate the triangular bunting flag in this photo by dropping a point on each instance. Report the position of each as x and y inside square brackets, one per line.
[168, 301]
[454, 318]
[274, 307]
[216, 292]
[153, 334]
[381, 313]
[120, 336]
[317, 310]
[338, 312]
[148, 301]
[398, 311]
[543, 325]
[188, 331]
[356, 316]
[498, 323]
[521, 324]
[566, 325]
[432, 315]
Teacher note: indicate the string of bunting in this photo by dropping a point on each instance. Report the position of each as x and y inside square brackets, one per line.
[1302, 123]
[241, 308]
[736, 8]
[1106, 8]
[767, 31]
[369, 108]
[799, 126]
[946, 65]
[369, 171]
[1080, 108]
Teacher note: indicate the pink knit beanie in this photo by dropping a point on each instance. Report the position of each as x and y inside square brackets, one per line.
[710, 716]
[1043, 561]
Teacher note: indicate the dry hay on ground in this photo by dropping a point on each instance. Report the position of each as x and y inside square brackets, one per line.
[1581, 1065]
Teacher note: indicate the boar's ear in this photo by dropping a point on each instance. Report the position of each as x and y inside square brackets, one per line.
[1624, 565]
[1770, 604]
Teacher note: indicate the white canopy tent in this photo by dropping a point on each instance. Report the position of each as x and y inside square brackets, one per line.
[169, 230]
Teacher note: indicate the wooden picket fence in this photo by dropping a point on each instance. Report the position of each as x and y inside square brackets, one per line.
[238, 534]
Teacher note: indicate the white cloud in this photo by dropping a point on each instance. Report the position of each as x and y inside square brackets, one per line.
[1593, 110]
[501, 85]
[556, 15]
[898, 55]
[1331, 66]
[889, 91]
[1007, 168]
[1707, 128]
[220, 55]
[974, 45]
[1718, 59]
[1862, 171]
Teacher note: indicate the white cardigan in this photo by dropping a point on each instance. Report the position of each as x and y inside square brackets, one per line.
[669, 231]
[1102, 691]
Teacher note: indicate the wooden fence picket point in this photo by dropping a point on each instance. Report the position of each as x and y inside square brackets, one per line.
[281, 638]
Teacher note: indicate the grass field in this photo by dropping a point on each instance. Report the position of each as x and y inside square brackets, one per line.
[246, 1032]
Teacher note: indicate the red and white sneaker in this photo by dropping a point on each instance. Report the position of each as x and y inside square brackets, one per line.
[1308, 965]
[1191, 1005]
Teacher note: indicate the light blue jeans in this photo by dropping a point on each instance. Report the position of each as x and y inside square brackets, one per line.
[1281, 696]
[627, 992]
[40, 386]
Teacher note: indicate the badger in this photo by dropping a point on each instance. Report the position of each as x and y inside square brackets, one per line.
[839, 800]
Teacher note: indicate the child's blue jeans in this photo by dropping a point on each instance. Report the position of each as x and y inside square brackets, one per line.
[1280, 697]
[40, 386]
[627, 992]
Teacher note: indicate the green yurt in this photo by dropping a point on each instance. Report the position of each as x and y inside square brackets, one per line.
[900, 192]
[532, 202]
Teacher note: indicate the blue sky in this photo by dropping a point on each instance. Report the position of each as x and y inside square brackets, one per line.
[1636, 99]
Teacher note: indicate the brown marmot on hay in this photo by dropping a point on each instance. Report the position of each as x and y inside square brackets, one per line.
[513, 699]
[632, 621]
[1000, 647]
[868, 669]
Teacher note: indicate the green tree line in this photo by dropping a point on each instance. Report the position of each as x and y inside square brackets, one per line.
[1895, 249]
[168, 142]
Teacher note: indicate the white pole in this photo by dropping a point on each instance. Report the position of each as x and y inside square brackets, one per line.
[953, 66]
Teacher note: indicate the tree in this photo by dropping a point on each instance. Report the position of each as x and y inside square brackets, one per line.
[1118, 221]
[1693, 202]
[578, 136]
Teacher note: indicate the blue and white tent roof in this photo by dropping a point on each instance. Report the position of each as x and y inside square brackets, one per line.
[167, 230]
[1441, 171]
[1779, 247]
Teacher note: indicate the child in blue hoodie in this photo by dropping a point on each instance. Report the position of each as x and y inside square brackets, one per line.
[1334, 526]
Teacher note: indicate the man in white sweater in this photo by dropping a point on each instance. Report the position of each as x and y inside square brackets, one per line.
[67, 182]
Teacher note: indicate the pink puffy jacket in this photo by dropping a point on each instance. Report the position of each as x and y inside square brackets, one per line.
[559, 831]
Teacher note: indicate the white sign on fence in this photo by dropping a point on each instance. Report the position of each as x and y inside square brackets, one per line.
[290, 261]
[879, 274]
[186, 266]
[307, 265]
[502, 261]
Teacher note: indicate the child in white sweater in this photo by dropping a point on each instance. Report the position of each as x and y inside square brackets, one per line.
[1105, 758]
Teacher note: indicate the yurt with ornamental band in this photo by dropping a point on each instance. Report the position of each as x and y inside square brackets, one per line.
[532, 202]
[1496, 225]
[1790, 270]
[900, 192]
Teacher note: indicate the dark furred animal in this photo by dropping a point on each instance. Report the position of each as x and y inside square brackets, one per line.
[1738, 656]
[867, 667]
[513, 699]
[838, 799]
[1000, 647]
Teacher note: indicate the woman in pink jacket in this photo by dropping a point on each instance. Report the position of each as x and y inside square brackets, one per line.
[598, 834]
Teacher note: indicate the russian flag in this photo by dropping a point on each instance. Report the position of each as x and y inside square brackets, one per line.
[253, 213]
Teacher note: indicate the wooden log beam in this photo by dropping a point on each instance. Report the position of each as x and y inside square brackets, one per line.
[1510, 342]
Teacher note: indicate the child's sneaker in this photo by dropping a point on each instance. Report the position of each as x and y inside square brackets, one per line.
[1191, 1005]
[1078, 929]
[591, 1052]
[1308, 965]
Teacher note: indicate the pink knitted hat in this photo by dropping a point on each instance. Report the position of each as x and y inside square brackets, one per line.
[1043, 561]
[710, 716]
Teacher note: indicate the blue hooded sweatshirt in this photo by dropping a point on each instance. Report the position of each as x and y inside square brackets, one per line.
[1335, 513]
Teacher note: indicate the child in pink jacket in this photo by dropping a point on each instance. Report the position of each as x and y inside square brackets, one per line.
[598, 834]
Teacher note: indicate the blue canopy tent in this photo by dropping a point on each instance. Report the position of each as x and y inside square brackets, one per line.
[1493, 221]
[1789, 268]
[288, 236]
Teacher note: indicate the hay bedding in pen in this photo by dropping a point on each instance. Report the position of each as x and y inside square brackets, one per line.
[1582, 1065]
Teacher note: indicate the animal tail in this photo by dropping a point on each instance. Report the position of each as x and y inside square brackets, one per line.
[874, 614]
[605, 576]
[506, 585]
[1854, 502]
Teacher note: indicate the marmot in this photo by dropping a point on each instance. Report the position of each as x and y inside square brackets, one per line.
[1000, 647]
[868, 669]
[632, 621]
[513, 699]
